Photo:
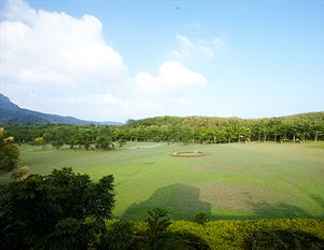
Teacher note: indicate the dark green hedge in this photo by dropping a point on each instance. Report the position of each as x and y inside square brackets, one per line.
[241, 234]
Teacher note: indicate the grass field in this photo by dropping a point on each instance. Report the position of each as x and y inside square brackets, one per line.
[228, 181]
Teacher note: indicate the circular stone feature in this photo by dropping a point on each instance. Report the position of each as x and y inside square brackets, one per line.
[188, 154]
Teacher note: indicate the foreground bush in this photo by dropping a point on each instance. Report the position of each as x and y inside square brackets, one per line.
[240, 234]
[280, 239]
[58, 206]
[151, 234]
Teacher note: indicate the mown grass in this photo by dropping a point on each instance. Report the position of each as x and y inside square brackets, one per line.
[230, 181]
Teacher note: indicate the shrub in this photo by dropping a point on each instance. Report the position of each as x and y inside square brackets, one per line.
[234, 234]
[55, 206]
[201, 218]
[9, 156]
[120, 236]
[158, 221]
[283, 239]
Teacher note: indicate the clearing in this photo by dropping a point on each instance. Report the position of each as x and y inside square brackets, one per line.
[229, 181]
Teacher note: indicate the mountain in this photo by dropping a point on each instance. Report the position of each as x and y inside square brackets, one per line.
[12, 113]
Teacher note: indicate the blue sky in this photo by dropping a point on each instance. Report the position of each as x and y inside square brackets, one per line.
[173, 57]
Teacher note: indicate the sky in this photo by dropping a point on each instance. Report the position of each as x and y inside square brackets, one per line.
[117, 60]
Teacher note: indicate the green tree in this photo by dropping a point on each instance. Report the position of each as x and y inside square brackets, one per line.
[120, 236]
[36, 207]
[9, 152]
[157, 221]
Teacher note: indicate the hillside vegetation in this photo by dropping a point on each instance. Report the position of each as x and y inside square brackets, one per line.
[295, 128]
[308, 126]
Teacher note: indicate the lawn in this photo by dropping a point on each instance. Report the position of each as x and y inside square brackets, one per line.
[228, 181]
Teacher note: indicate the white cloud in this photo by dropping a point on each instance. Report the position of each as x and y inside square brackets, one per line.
[53, 62]
[172, 76]
[195, 50]
[41, 47]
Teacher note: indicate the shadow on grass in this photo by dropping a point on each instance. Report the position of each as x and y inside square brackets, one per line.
[265, 210]
[281, 210]
[181, 201]
[319, 200]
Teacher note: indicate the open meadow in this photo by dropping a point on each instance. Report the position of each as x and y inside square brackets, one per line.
[228, 180]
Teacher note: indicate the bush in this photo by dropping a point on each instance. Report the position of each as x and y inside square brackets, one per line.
[235, 234]
[201, 218]
[283, 239]
[155, 234]
[56, 206]
[120, 236]
[71, 233]
[9, 156]
[9, 153]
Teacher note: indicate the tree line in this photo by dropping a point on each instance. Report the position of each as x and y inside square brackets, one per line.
[87, 137]
[297, 128]
[309, 126]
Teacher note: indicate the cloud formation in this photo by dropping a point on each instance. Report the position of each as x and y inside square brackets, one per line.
[172, 75]
[41, 47]
[54, 62]
[193, 50]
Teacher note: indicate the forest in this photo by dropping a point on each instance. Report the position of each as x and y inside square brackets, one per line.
[204, 130]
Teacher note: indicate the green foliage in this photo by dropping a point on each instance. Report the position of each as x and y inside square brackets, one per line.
[9, 157]
[297, 128]
[121, 142]
[157, 222]
[241, 234]
[55, 206]
[283, 239]
[201, 218]
[9, 153]
[71, 233]
[120, 236]
[104, 139]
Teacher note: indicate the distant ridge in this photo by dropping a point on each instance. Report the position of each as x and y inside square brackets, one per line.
[12, 113]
